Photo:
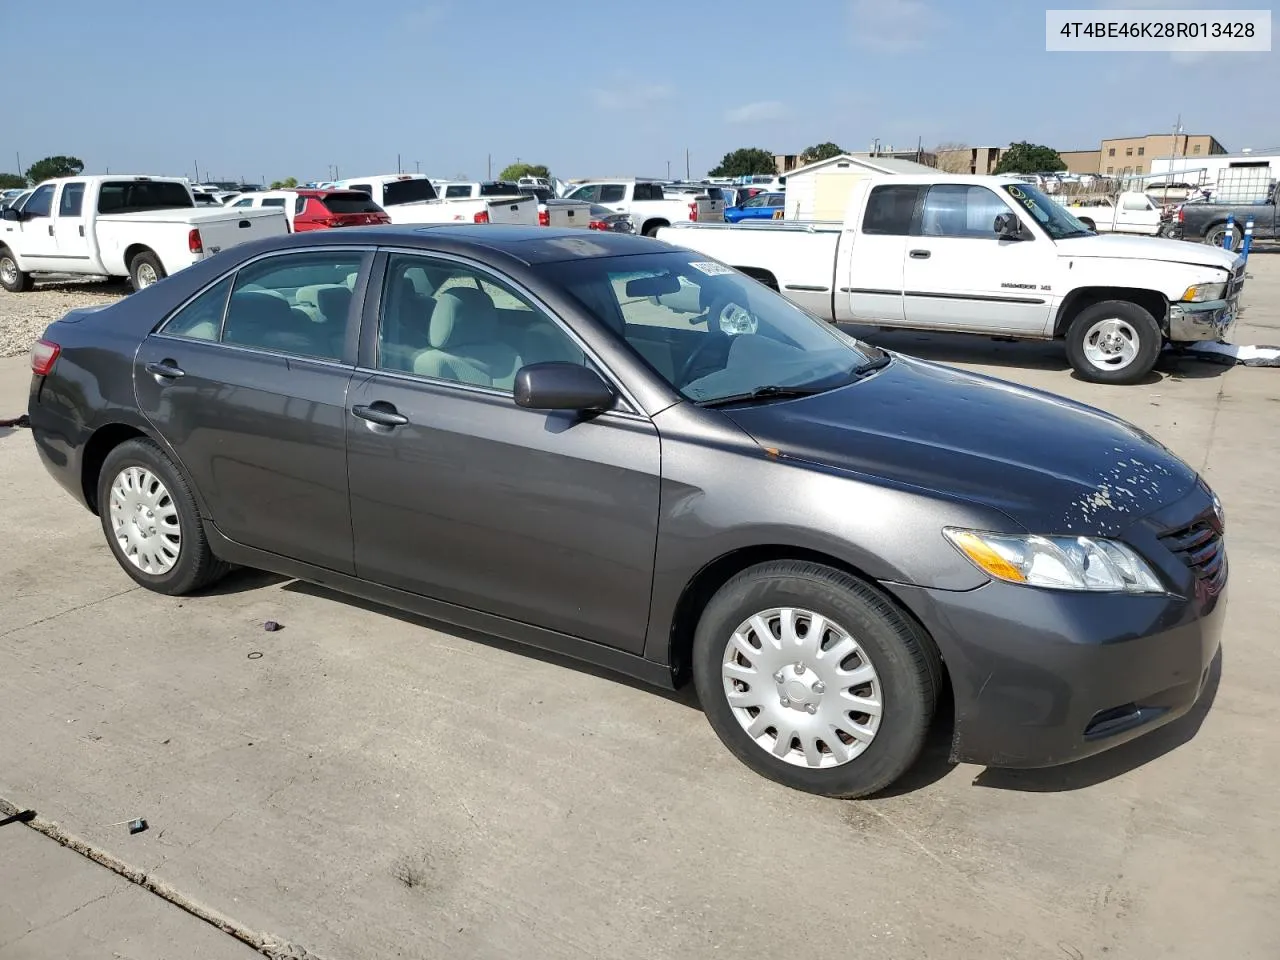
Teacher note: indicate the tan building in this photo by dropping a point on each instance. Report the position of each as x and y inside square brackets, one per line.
[1132, 156]
[980, 160]
[1081, 161]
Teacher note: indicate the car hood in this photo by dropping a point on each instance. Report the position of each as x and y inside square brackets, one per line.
[1146, 248]
[1052, 465]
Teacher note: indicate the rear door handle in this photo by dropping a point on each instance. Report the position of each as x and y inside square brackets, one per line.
[380, 412]
[165, 370]
[51, 229]
[919, 254]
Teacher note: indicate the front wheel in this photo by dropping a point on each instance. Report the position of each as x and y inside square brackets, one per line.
[814, 679]
[1217, 237]
[144, 270]
[11, 278]
[1114, 341]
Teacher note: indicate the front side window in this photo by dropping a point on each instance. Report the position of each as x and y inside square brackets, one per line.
[246, 202]
[457, 190]
[777, 200]
[296, 304]
[889, 210]
[201, 318]
[72, 200]
[452, 322]
[960, 210]
[1137, 203]
[40, 203]
[707, 330]
[755, 202]
[589, 192]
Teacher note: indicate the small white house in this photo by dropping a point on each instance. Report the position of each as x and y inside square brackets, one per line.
[820, 190]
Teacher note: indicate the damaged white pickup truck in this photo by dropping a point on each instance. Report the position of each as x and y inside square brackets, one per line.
[987, 255]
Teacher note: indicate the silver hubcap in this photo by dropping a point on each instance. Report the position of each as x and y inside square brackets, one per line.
[8, 271]
[1111, 344]
[802, 688]
[144, 521]
[146, 275]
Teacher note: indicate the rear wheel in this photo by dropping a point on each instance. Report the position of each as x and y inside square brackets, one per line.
[1114, 341]
[11, 278]
[653, 226]
[151, 521]
[145, 270]
[1217, 236]
[814, 679]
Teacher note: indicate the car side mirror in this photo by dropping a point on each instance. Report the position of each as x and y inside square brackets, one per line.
[10, 213]
[1008, 227]
[558, 385]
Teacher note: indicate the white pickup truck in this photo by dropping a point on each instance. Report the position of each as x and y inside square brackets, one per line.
[649, 208]
[986, 255]
[1130, 212]
[410, 198]
[143, 228]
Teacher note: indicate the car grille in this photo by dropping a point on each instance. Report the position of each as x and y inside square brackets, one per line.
[1236, 282]
[1201, 548]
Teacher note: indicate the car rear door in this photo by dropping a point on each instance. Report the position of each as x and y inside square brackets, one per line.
[72, 242]
[874, 252]
[457, 494]
[247, 382]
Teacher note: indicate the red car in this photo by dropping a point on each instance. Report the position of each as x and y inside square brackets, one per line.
[322, 209]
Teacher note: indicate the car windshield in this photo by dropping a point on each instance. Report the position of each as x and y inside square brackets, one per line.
[1053, 218]
[499, 188]
[407, 191]
[711, 332]
[599, 211]
[353, 201]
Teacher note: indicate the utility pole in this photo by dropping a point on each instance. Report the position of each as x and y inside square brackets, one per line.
[1173, 157]
[398, 169]
[686, 164]
[668, 169]
[489, 167]
[417, 166]
[197, 171]
[18, 157]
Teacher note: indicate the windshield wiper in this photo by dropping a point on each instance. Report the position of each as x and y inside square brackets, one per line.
[770, 391]
[879, 363]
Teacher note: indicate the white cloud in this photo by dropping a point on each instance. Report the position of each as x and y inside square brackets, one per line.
[626, 96]
[757, 112]
[893, 25]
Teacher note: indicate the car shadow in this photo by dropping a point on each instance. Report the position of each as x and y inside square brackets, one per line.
[1102, 767]
[1020, 354]
[685, 696]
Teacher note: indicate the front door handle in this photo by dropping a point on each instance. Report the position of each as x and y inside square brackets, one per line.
[51, 229]
[165, 369]
[380, 412]
[919, 254]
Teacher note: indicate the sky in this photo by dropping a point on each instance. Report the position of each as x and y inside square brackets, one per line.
[265, 89]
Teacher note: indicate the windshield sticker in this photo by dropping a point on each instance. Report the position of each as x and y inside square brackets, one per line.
[711, 269]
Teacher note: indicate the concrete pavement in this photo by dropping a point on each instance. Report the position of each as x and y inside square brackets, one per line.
[372, 786]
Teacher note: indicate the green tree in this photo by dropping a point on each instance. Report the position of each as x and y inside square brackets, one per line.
[514, 171]
[12, 181]
[745, 162]
[288, 183]
[51, 167]
[820, 151]
[1023, 157]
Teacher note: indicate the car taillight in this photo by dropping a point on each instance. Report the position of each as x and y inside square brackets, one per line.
[544, 218]
[194, 243]
[482, 217]
[43, 356]
[693, 211]
[598, 225]
[1181, 216]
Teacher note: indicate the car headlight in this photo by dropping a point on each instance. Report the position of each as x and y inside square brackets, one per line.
[1058, 563]
[1201, 292]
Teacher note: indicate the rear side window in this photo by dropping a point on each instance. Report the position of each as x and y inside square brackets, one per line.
[648, 191]
[889, 210]
[353, 202]
[615, 192]
[201, 319]
[132, 196]
[72, 200]
[295, 304]
[273, 201]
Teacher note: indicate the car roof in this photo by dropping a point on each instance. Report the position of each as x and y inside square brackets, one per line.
[530, 245]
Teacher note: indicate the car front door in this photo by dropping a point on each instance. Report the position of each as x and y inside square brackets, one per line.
[960, 274]
[874, 252]
[38, 246]
[68, 225]
[457, 494]
[1137, 214]
[247, 383]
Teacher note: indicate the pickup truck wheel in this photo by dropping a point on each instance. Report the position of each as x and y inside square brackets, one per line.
[1114, 341]
[814, 679]
[11, 278]
[145, 270]
[1218, 235]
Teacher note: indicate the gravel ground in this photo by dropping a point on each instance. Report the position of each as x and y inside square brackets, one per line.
[23, 316]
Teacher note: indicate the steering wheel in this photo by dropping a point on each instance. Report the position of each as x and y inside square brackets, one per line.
[709, 356]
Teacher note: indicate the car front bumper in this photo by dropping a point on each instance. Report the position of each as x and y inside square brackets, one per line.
[1045, 677]
[1212, 320]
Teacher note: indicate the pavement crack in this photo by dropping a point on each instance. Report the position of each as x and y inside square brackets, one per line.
[63, 613]
[71, 913]
[1213, 423]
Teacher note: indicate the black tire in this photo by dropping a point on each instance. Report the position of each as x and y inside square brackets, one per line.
[903, 656]
[141, 261]
[1217, 235]
[196, 567]
[1171, 231]
[11, 278]
[1146, 335]
[651, 229]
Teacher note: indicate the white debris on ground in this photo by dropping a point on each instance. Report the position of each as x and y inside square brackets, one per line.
[24, 316]
[1233, 353]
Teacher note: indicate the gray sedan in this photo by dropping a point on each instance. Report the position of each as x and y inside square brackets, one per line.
[602, 445]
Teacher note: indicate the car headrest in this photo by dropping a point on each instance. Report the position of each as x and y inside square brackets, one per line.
[334, 302]
[459, 320]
